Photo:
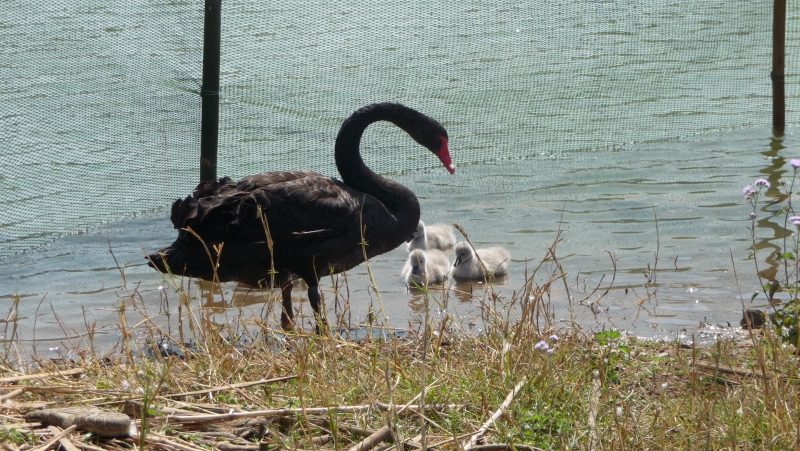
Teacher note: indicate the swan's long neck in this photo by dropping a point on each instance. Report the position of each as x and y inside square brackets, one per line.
[400, 200]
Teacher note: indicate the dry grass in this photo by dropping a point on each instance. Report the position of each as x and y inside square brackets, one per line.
[434, 388]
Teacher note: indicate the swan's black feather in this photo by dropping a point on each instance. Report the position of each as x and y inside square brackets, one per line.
[317, 223]
[296, 205]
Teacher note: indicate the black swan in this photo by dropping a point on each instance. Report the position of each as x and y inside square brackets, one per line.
[315, 221]
[433, 236]
[466, 266]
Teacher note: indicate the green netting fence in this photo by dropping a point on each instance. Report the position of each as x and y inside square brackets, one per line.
[100, 111]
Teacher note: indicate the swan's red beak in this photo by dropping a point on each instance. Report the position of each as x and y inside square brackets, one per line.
[444, 156]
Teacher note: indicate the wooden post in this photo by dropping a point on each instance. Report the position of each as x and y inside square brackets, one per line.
[209, 92]
[777, 75]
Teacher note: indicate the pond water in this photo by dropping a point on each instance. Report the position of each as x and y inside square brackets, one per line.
[564, 118]
[614, 211]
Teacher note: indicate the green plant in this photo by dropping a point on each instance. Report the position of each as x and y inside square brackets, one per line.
[151, 380]
[610, 357]
[12, 435]
[787, 278]
[544, 428]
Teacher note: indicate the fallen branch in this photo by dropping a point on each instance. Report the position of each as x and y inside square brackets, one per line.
[373, 440]
[64, 390]
[65, 442]
[71, 372]
[160, 440]
[448, 441]
[54, 439]
[87, 446]
[727, 369]
[225, 446]
[415, 408]
[594, 406]
[231, 387]
[298, 411]
[496, 415]
[321, 440]
[324, 422]
[506, 447]
[12, 394]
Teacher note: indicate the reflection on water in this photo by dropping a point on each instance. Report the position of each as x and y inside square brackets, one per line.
[660, 220]
[771, 246]
[463, 292]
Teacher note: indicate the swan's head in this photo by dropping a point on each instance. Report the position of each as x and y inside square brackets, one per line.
[463, 253]
[444, 155]
[430, 133]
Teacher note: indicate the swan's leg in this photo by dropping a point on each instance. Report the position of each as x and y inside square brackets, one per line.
[315, 300]
[287, 315]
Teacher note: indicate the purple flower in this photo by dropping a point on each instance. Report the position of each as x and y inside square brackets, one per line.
[762, 182]
[748, 191]
[795, 220]
[554, 337]
[795, 163]
[541, 345]
[549, 351]
[753, 215]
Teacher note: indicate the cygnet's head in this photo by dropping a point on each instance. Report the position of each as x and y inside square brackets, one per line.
[463, 253]
[418, 232]
[418, 261]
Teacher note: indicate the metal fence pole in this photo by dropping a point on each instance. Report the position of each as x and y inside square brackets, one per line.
[209, 92]
[777, 74]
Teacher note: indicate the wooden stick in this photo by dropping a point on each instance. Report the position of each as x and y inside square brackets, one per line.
[448, 440]
[373, 440]
[231, 387]
[505, 447]
[65, 390]
[159, 440]
[13, 394]
[324, 422]
[496, 415]
[415, 408]
[71, 372]
[727, 369]
[320, 440]
[227, 446]
[54, 439]
[64, 441]
[265, 413]
[90, 447]
[289, 412]
[594, 406]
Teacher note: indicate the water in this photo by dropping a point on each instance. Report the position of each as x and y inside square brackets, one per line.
[570, 115]
[606, 205]
[101, 101]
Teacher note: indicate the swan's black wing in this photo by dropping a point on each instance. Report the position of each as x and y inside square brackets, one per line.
[297, 205]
